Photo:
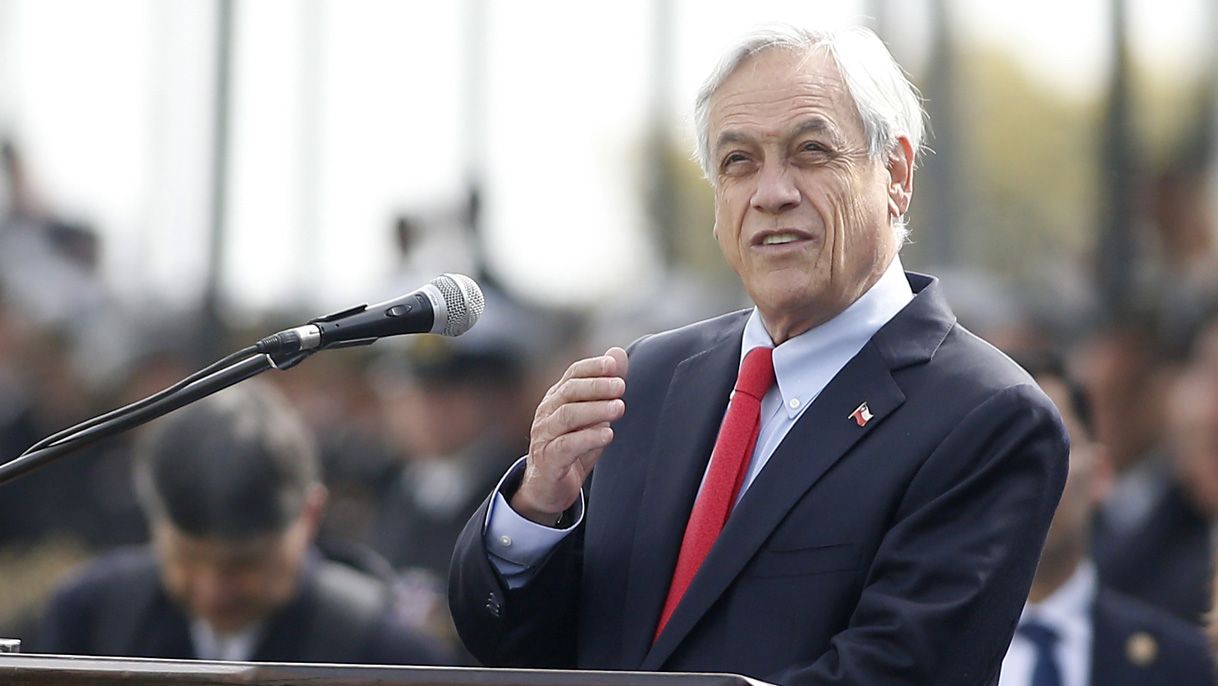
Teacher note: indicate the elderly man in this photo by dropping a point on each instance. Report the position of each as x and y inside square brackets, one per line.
[231, 489]
[865, 507]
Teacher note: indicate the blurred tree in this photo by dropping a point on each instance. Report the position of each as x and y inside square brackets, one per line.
[1173, 115]
[1027, 166]
[689, 212]
[941, 172]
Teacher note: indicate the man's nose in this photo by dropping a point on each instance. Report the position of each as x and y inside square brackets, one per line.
[776, 191]
[211, 589]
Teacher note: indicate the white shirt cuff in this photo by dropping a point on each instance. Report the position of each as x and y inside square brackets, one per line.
[516, 545]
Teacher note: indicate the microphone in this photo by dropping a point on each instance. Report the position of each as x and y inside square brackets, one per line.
[449, 304]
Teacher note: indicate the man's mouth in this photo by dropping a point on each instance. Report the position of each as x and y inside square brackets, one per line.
[781, 237]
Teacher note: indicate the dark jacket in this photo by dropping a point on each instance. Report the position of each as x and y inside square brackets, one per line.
[412, 536]
[899, 552]
[1164, 562]
[118, 607]
[1139, 645]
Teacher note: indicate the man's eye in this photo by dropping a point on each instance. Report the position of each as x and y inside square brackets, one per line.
[735, 162]
[812, 146]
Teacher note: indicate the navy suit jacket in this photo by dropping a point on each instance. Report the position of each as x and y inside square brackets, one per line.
[1139, 645]
[896, 552]
[1165, 561]
[117, 607]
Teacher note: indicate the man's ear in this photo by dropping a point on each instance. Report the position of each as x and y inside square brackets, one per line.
[1102, 477]
[314, 508]
[900, 165]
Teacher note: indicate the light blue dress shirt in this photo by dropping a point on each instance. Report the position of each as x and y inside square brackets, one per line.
[1068, 611]
[803, 366]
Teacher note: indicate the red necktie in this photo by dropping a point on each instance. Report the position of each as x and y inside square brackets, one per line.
[728, 464]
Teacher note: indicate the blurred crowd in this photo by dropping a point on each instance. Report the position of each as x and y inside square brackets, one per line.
[1148, 373]
[411, 433]
[414, 432]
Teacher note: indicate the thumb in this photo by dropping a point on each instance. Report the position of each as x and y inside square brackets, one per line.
[620, 360]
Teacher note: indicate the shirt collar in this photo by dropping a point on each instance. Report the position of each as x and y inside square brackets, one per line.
[1070, 605]
[805, 364]
[213, 645]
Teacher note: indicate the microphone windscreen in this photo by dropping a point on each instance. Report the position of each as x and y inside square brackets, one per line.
[463, 302]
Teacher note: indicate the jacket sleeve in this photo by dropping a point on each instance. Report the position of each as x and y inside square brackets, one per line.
[531, 626]
[66, 625]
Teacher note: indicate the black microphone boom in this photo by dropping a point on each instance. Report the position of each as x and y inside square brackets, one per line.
[448, 305]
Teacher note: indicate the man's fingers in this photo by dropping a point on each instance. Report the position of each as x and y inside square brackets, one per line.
[579, 415]
[570, 431]
[599, 388]
[604, 365]
[572, 422]
[580, 445]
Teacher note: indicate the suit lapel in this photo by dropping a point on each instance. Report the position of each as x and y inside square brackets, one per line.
[821, 437]
[688, 424]
[824, 434]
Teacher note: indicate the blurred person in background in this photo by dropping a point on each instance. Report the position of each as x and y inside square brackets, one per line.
[88, 495]
[17, 425]
[64, 351]
[1126, 377]
[334, 395]
[1204, 356]
[45, 395]
[450, 409]
[230, 486]
[1074, 631]
[51, 269]
[1163, 555]
[1184, 267]
[54, 517]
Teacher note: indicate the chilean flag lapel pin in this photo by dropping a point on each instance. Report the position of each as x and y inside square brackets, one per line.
[861, 415]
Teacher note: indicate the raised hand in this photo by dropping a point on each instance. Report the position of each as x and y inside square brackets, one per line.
[570, 431]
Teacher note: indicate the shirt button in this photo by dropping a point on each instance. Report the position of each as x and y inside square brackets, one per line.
[793, 403]
[505, 541]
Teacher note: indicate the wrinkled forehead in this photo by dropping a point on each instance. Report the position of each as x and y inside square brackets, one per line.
[785, 83]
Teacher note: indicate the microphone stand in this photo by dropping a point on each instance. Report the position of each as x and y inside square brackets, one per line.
[144, 411]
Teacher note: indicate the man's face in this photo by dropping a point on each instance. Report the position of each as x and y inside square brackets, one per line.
[1087, 483]
[435, 419]
[231, 584]
[1193, 439]
[1127, 389]
[802, 213]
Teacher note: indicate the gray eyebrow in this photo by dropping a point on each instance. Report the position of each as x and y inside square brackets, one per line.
[810, 125]
[813, 125]
[730, 136]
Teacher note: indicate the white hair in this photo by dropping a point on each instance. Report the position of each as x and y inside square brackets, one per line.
[887, 102]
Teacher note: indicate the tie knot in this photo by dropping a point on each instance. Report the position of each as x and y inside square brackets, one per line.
[1040, 634]
[756, 373]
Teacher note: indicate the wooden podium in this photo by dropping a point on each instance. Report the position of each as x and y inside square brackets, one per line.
[18, 669]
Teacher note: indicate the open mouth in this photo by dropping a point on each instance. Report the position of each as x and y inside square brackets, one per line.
[781, 237]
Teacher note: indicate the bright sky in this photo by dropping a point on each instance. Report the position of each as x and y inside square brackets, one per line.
[346, 113]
